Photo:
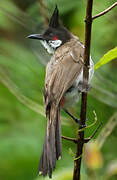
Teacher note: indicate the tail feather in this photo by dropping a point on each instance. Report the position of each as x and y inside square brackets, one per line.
[52, 148]
[58, 136]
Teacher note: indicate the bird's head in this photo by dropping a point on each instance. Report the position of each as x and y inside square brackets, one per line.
[54, 36]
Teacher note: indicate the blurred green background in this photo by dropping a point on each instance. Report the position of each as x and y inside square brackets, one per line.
[22, 119]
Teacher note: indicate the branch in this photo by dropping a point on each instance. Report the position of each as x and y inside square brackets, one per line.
[70, 139]
[105, 11]
[88, 139]
[80, 139]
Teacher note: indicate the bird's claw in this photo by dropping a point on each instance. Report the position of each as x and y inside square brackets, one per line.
[75, 119]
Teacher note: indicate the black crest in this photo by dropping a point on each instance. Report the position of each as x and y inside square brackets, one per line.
[54, 20]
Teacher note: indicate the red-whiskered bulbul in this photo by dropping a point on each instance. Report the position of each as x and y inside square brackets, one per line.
[63, 84]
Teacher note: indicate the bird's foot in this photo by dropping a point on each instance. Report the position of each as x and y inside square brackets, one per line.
[75, 119]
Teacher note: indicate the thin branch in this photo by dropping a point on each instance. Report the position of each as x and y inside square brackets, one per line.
[86, 140]
[80, 139]
[70, 139]
[105, 11]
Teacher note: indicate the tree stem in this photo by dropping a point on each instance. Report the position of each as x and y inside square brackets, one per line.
[80, 138]
[105, 11]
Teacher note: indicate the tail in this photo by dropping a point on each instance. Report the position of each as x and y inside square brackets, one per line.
[52, 148]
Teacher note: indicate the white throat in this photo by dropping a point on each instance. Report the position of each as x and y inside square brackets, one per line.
[49, 49]
[51, 45]
[55, 43]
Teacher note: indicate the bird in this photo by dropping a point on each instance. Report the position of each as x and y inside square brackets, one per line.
[63, 85]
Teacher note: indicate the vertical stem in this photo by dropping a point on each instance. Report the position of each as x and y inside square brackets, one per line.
[79, 150]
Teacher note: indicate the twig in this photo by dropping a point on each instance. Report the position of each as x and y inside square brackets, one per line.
[80, 143]
[86, 140]
[105, 11]
[70, 139]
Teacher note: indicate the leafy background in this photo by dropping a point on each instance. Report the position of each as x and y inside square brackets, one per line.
[22, 120]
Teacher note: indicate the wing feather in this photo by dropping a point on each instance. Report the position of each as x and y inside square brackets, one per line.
[61, 74]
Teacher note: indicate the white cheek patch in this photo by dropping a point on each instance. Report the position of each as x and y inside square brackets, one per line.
[55, 43]
[49, 49]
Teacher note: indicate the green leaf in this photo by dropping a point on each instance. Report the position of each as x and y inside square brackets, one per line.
[109, 56]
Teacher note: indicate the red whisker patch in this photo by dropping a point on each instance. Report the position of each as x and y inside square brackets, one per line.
[55, 38]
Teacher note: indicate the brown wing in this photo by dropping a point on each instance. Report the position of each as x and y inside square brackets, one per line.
[60, 76]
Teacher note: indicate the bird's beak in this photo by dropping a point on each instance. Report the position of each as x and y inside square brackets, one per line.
[36, 36]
